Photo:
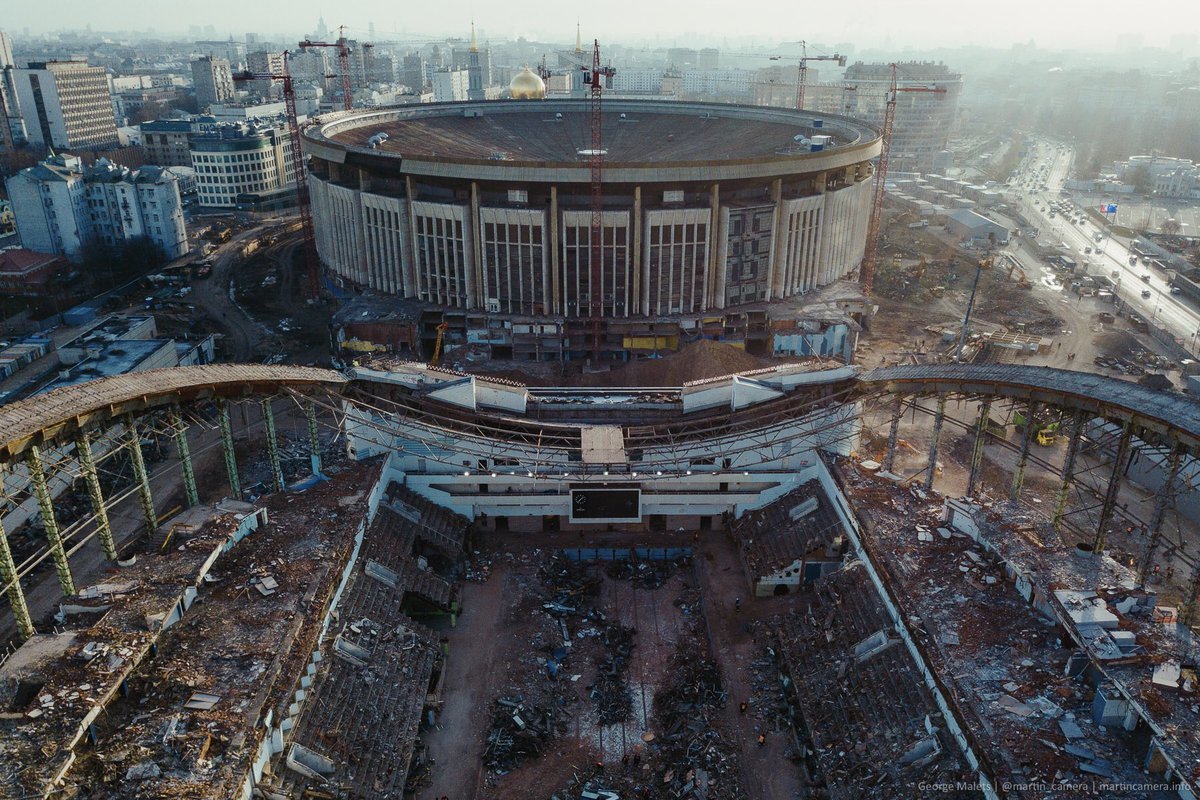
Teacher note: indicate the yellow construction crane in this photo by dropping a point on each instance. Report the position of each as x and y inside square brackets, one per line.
[437, 346]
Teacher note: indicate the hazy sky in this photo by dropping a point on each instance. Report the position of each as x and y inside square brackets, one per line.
[1095, 24]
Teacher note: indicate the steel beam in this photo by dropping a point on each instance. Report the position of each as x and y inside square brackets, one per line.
[314, 438]
[1187, 614]
[87, 470]
[143, 478]
[1159, 512]
[939, 417]
[185, 456]
[1068, 469]
[889, 458]
[1114, 486]
[985, 411]
[272, 444]
[235, 487]
[16, 597]
[1023, 459]
[33, 460]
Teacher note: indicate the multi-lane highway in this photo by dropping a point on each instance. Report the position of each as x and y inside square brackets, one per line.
[1037, 185]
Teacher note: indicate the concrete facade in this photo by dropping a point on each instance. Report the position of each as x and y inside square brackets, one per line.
[66, 105]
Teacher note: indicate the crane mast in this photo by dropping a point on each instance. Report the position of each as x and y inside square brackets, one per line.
[596, 77]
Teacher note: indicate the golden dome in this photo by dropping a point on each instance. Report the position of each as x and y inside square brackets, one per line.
[525, 85]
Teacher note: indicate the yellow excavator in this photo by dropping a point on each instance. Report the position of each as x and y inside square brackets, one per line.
[437, 346]
[1022, 281]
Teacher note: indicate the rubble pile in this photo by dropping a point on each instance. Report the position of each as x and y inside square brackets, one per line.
[519, 731]
[611, 689]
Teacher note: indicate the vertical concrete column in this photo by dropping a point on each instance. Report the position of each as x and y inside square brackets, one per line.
[714, 248]
[142, 478]
[555, 305]
[1114, 487]
[33, 460]
[635, 262]
[889, 458]
[87, 469]
[272, 444]
[235, 486]
[418, 269]
[314, 439]
[16, 597]
[185, 456]
[474, 266]
[1187, 614]
[775, 268]
[1161, 501]
[985, 410]
[1068, 469]
[939, 416]
[1023, 459]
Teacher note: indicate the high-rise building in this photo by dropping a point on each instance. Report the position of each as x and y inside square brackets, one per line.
[213, 80]
[708, 58]
[12, 126]
[924, 120]
[66, 104]
[412, 72]
[474, 70]
[61, 205]
[450, 85]
[265, 63]
[242, 158]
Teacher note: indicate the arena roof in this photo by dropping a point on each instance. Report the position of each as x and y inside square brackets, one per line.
[638, 132]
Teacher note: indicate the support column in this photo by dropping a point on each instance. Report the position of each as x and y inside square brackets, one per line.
[939, 417]
[16, 597]
[142, 478]
[1023, 458]
[889, 458]
[1114, 486]
[235, 487]
[87, 469]
[1187, 614]
[314, 439]
[985, 410]
[185, 457]
[33, 460]
[1068, 469]
[1161, 500]
[272, 444]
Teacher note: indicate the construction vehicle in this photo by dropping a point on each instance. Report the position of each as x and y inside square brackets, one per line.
[437, 346]
[1045, 427]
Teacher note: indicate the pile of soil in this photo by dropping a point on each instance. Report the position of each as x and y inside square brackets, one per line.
[692, 362]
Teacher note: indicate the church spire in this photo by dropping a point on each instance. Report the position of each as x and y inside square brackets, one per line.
[578, 39]
[474, 43]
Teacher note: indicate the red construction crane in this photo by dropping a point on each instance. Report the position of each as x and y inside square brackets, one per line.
[802, 69]
[343, 53]
[889, 119]
[597, 78]
[312, 260]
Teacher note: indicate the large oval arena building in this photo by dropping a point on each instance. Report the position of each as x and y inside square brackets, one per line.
[487, 205]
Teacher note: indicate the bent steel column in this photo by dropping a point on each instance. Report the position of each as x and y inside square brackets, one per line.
[272, 444]
[1114, 486]
[142, 478]
[185, 456]
[33, 460]
[1023, 458]
[985, 411]
[235, 487]
[1161, 500]
[939, 417]
[1068, 470]
[889, 458]
[314, 438]
[87, 469]
[16, 597]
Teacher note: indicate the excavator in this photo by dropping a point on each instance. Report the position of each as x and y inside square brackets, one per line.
[437, 346]
[1022, 281]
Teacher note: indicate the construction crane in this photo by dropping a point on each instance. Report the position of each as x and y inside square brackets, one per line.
[303, 205]
[802, 70]
[343, 53]
[889, 119]
[437, 346]
[985, 263]
[597, 78]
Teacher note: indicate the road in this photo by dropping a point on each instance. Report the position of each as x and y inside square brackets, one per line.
[1049, 165]
[242, 334]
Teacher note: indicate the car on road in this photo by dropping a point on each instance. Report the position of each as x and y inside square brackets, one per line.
[1145, 277]
[1176, 290]
[1146, 292]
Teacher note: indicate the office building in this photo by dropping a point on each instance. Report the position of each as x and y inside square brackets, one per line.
[213, 80]
[66, 105]
[233, 159]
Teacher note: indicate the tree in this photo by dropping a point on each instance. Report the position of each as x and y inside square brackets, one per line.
[1139, 177]
[148, 112]
[1171, 227]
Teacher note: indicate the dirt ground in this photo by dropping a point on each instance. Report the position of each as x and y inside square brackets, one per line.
[685, 625]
